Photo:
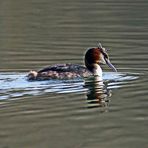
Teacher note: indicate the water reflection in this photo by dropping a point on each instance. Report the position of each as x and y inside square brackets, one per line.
[98, 94]
[15, 85]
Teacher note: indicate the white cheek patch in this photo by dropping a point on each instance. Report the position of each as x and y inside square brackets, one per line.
[102, 60]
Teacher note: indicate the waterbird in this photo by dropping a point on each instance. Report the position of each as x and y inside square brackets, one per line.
[93, 58]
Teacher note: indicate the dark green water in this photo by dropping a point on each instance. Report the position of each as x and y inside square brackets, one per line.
[61, 114]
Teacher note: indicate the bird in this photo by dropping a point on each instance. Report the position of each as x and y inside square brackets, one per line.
[94, 57]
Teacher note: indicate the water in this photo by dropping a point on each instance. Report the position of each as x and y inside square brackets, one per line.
[76, 113]
[16, 84]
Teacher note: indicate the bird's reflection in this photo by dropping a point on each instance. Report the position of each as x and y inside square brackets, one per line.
[98, 95]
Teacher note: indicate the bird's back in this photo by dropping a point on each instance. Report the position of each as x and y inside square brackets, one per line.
[60, 71]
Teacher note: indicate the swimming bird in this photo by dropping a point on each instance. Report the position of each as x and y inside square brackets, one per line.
[93, 58]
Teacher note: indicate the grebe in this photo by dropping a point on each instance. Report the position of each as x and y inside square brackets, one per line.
[93, 58]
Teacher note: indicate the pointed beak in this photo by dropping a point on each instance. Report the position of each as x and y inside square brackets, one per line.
[110, 64]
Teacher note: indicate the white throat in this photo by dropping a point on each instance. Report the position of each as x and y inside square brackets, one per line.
[97, 71]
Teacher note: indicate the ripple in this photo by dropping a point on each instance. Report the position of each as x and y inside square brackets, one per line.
[14, 85]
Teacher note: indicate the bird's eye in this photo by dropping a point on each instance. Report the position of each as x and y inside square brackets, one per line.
[103, 50]
[106, 55]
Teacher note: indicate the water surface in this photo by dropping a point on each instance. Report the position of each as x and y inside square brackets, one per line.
[76, 113]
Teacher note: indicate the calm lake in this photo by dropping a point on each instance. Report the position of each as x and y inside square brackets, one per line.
[73, 113]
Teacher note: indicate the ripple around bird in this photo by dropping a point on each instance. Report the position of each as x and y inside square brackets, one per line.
[14, 85]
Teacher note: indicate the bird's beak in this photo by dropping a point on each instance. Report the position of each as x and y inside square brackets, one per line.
[106, 58]
[110, 64]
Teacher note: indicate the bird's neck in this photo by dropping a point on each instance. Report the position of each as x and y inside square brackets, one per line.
[97, 71]
[94, 68]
